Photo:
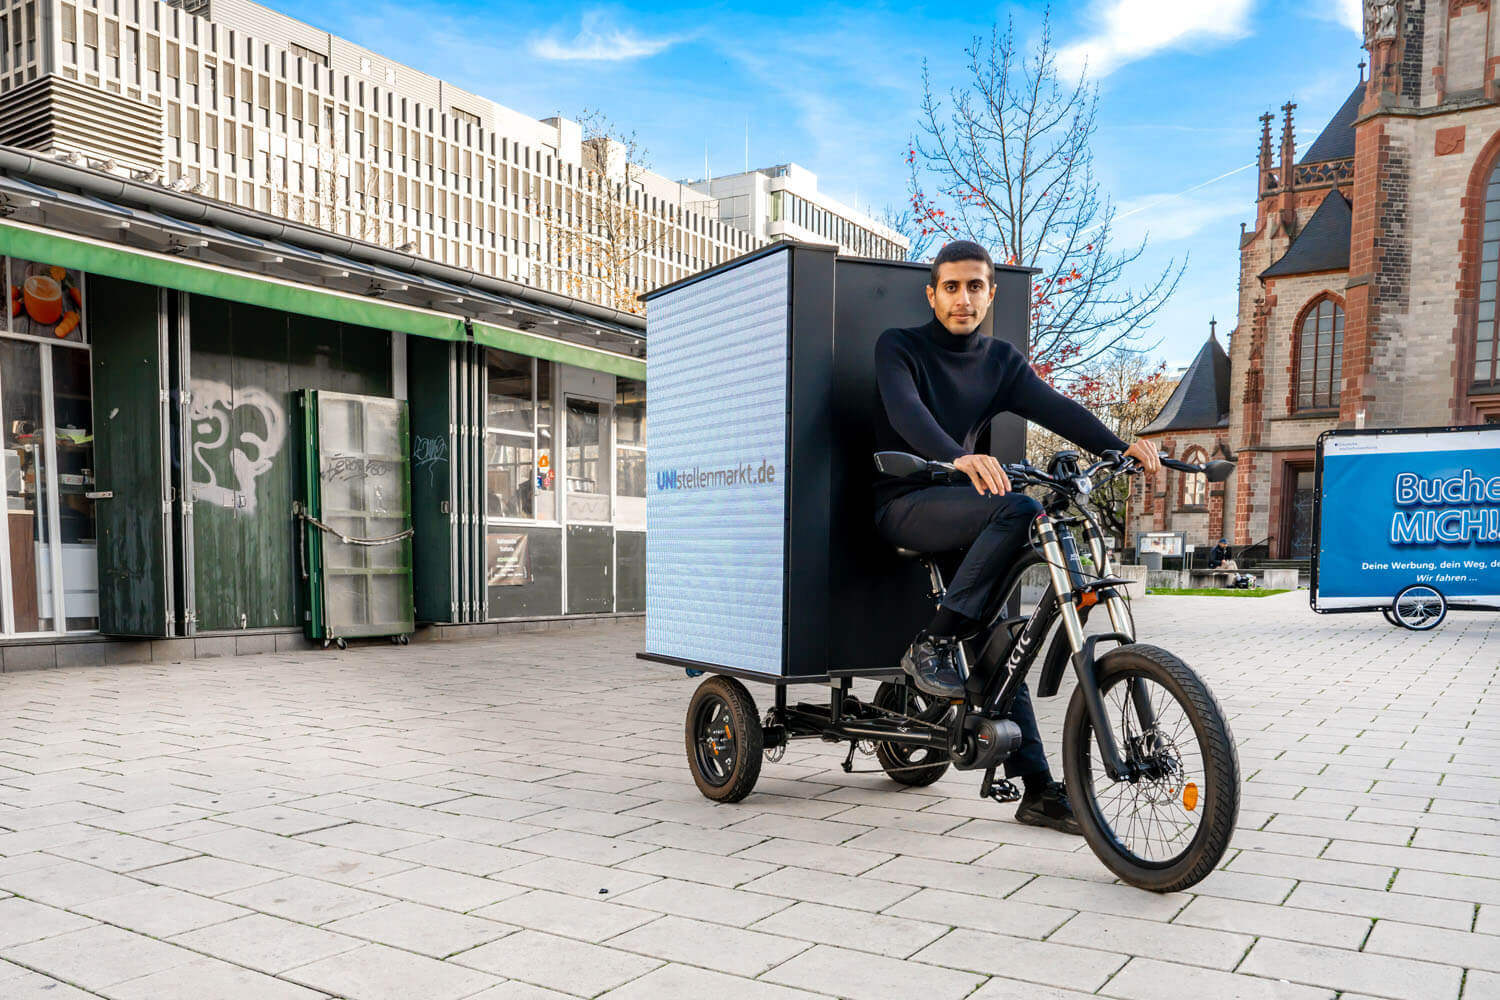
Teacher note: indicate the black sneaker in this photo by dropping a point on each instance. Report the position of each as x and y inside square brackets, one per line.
[1049, 808]
[932, 664]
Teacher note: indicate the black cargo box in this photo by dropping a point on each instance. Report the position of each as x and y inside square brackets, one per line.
[762, 555]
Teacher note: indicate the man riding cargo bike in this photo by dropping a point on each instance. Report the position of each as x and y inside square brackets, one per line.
[939, 387]
[1152, 775]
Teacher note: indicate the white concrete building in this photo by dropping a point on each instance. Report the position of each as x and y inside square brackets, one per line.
[241, 103]
[783, 202]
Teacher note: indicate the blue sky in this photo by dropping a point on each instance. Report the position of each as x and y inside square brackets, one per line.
[837, 88]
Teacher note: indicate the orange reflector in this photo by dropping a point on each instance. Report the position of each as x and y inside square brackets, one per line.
[727, 734]
[1088, 599]
[1190, 797]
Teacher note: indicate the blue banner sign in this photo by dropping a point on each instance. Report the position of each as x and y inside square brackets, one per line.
[1408, 507]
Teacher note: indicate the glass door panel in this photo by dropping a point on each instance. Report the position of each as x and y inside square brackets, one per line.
[630, 453]
[587, 468]
[73, 416]
[509, 475]
[27, 497]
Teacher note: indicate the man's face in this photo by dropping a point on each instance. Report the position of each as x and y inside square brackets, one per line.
[962, 295]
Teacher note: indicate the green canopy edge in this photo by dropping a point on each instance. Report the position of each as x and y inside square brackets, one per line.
[556, 350]
[209, 279]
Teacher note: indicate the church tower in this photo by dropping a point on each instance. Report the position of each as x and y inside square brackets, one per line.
[1368, 286]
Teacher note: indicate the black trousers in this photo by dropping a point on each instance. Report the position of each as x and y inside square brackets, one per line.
[989, 532]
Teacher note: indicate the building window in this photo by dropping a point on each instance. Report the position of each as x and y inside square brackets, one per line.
[311, 55]
[1320, 355]
[1487, 335]
[1194, 486]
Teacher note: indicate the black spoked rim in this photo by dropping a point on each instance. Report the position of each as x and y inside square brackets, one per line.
[1158, 819]
[1419, 607]
[715, 742]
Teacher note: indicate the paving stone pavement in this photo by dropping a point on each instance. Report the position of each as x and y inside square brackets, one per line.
[513, 819]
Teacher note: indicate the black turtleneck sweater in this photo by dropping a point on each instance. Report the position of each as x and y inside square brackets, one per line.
[937, 392]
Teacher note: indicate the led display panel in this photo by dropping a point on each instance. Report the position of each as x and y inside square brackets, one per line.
[716, 482]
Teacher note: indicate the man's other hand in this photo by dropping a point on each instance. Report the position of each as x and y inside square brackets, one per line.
[1145, 452]
[984, 472]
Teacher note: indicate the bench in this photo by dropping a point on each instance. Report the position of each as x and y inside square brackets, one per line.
[1215, 576]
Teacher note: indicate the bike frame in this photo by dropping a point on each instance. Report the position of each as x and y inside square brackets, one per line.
[999, 682]
[1005, 655]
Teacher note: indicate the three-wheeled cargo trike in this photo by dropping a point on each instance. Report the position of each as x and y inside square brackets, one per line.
[763, 565]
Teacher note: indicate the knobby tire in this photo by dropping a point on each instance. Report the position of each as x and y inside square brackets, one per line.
[1214, 743]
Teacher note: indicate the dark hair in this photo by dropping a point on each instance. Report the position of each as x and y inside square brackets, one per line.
[959, 250]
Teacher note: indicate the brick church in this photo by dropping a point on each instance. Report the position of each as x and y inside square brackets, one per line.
[1367, 284]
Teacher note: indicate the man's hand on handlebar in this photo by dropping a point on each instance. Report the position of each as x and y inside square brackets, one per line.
[1145, 453]
[985, 472]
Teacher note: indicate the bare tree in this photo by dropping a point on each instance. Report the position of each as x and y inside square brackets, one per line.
[341, 193]
[1124, 390]
[919, 237]
[600, 231]
[1006, 160]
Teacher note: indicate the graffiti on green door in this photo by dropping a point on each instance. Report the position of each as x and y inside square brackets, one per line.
[242, 451]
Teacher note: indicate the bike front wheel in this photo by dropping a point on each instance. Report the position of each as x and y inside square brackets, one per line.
[1169, 826]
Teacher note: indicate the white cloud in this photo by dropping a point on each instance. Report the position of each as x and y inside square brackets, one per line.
[1166, 220]
[1345, 13]
[599, 40]
[1178, 215]
[1128, 30]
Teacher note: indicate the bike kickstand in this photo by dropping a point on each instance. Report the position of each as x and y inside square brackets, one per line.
[848, 764]
[999, 789]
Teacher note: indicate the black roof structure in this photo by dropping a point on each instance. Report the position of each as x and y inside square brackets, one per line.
[1336, 141]
[1201, 399]
[1323, 244]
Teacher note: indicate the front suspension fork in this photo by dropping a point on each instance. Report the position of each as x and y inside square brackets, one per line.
[1066, 574]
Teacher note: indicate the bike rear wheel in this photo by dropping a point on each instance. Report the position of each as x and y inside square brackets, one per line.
[911, 765]
[1170, 827]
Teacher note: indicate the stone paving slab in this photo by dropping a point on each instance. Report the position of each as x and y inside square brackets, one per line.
[512, 819]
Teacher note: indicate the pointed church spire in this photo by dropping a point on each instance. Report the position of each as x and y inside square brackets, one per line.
[1267, 179]
[1288, 142]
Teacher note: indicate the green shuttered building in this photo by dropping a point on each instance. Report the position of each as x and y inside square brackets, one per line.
[159, 361]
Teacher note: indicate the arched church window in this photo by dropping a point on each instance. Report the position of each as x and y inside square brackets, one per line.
[1194, 486]
[1320, 364]
[1487, 337]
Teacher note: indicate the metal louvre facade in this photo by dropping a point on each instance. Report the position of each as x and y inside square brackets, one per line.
[716, 477]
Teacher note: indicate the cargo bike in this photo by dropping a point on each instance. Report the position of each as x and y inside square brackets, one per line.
[780, 578]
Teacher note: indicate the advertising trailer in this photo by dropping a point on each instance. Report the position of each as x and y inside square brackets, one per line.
[1408, 522]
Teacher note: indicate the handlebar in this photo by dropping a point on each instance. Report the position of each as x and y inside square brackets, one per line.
[1024, 474]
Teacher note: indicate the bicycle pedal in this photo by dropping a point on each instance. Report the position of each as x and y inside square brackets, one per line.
[1001, 790]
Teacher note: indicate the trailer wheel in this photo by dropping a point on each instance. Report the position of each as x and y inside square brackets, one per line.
[1419, 607]
[916, 767]
[724, 739]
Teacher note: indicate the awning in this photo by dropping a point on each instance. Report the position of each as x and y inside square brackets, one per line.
[79, 230]
[206, 279]
[548, 349]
